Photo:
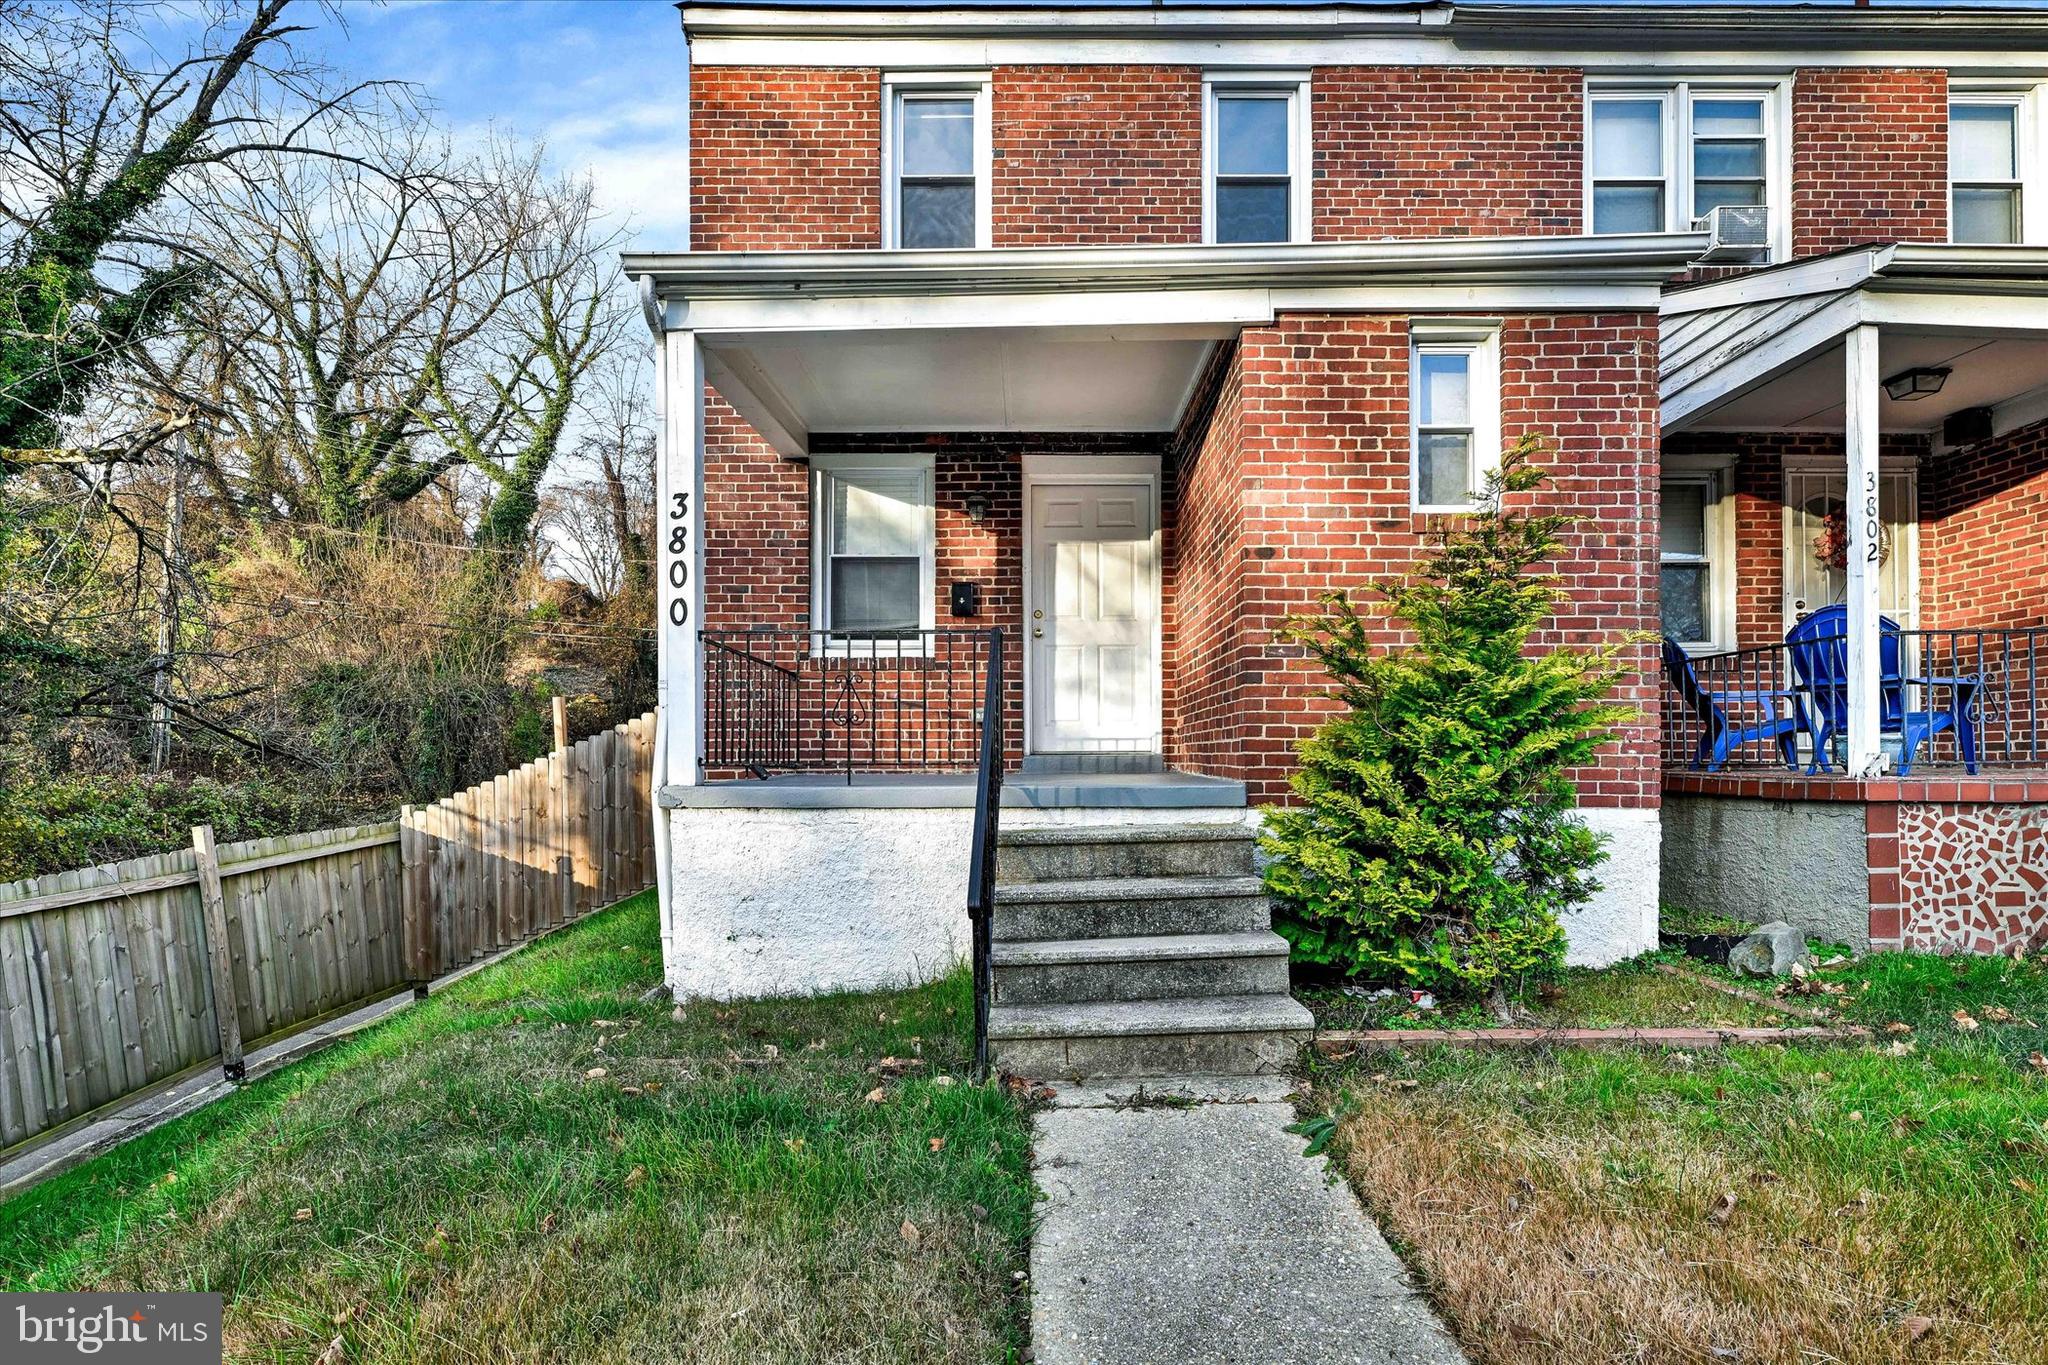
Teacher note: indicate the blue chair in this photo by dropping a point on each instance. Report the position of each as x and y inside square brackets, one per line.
[1781, 716]
[1819, 646]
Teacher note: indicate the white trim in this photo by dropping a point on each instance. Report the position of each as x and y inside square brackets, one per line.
[1065, 470]
[2029, 103]
[1294, 85]
[1716, 472]
[895, 85]
[679, 518]
[1678, 95]
[1479, 340]
[822, 470]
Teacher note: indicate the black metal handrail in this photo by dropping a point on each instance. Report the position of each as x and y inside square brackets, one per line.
[790, 700]
[981, 857]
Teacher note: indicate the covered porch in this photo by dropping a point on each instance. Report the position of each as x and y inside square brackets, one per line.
[1854, 727]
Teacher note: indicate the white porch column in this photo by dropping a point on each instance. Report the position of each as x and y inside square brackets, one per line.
[1865, 527]
[679, 524]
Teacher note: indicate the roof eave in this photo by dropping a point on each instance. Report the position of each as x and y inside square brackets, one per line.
[1634, 259]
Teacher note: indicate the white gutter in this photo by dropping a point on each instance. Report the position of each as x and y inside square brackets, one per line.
[1645, 258]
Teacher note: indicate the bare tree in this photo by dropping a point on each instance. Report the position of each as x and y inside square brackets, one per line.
[96, 126]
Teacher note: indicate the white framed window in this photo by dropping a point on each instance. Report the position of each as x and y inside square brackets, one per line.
[872, 547]
[1256, 159]
[1997, 171]
[1696, 565]
[1661, 156]
[936, 190]
[1454, 412]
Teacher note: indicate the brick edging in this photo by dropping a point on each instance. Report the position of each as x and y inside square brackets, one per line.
[1343, 1042]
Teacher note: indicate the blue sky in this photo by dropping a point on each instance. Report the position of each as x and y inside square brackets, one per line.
[601, 82]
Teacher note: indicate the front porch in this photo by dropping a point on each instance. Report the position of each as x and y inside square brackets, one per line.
[1855, 734]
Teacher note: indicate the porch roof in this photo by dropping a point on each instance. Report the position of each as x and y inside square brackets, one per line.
[1076, 338]
[1764, 351]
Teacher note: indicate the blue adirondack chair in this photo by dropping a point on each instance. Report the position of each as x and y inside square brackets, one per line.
[1761, 715]
[1819, 646]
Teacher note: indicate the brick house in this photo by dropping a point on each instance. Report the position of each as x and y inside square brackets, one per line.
[1126, 330]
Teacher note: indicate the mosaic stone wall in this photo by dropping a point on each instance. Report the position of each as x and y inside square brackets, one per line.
[1973, 878]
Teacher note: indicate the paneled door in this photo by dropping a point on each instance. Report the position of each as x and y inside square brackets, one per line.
[1092, 618]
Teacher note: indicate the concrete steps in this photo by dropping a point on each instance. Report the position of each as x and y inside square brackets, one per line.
[1137, 950]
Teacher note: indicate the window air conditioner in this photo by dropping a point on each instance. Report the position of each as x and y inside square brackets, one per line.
[1735, 232]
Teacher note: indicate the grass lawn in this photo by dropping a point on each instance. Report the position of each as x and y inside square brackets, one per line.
[1631, 995]
[536, 1166]
[1872, 1203]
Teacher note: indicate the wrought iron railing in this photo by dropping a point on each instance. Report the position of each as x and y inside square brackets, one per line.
[981, 864]
[1996, 675]
[789, 701]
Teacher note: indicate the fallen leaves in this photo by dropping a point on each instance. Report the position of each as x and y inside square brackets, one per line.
[636, 1177]
[937, 1144]
[596, 1073]
[1723, 1210]
[1915, 1327]
[1965, 1023]
[2038, 1061]
[335, 1353]
[302, 1215]
[911, 1234]
[876, 1096]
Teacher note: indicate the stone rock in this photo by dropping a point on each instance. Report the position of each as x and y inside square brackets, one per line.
[1770, 951]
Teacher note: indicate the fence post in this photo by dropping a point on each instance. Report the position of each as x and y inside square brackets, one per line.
[213, 904]
[411, 897]
[565, 889]
[561, 722]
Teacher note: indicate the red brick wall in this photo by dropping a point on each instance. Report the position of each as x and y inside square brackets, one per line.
[1096, 155]
[785, 159]
[1325, 479]
[1869, 157]
[1204, 571]
[1984, 545]
[757, 520]
[1446, 151]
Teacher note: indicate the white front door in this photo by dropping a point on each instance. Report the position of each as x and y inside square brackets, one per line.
[1092, 618]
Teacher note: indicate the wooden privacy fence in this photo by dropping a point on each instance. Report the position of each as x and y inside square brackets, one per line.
[113, 978]
[528, 850]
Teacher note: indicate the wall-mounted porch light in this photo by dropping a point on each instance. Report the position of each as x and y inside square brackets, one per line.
[977, 508]
[1908, 386]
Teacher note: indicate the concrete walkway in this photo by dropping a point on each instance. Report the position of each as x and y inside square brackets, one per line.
[1177, 1235]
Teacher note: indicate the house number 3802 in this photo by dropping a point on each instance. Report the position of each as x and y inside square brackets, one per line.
[679, 566]
[1873, 522]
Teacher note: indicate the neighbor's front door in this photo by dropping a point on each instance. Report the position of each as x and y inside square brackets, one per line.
[1092, 618]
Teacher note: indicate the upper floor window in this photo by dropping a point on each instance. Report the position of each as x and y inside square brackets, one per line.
[1255, 154]
[935, 161]
[1995, 180]
[872, 573]
[1454, 403]
[1662, 158]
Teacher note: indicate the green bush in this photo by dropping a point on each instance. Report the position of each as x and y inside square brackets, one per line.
[59, 824]
[1434, 841]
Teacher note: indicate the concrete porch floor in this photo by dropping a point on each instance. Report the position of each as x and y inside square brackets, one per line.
[1029, 791]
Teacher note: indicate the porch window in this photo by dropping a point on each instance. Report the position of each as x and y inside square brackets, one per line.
[1985, 190]
[873, 556]
[936, 157]
[1689, 572]
[1454, 398]
[1255, 154]
[1662, 157]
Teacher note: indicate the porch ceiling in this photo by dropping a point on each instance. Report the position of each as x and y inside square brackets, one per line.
[1061, 379]
[1764, 351]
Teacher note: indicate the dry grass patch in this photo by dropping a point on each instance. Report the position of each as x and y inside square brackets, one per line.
[1770, 1205]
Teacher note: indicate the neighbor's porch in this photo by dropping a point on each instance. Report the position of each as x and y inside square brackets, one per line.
[1855, 566]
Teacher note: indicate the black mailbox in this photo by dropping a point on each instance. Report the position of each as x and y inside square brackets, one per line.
[967, 599]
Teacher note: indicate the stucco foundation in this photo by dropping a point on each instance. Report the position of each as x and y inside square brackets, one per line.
[1755, 860]
[1621, 919]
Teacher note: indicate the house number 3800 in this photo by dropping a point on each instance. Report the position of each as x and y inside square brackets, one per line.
[679, 566]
